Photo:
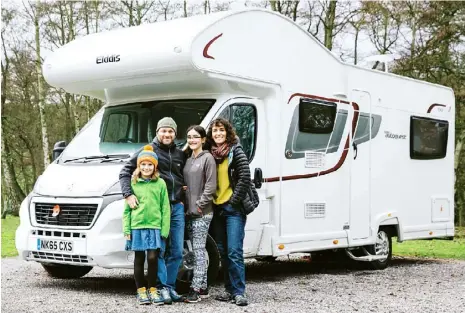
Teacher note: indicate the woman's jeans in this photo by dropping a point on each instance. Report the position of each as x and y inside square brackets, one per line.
[228, 226]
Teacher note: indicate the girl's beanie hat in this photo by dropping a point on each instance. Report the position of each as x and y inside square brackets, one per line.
[147, 154]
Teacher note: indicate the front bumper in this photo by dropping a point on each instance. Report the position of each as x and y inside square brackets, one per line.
[102, 245]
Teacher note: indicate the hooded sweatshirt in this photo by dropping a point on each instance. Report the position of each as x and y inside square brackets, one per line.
[200, 178]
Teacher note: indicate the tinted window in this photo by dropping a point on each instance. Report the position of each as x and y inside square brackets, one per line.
[243, 118]
[428, 138]
[315, 117]
[118, 129]
[137, 123]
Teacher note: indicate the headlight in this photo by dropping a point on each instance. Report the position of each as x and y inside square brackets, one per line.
[114, 190]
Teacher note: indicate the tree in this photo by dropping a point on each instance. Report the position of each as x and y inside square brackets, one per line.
[9, 177]
[35, 13]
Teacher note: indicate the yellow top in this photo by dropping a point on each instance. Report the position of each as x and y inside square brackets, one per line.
[223, 190]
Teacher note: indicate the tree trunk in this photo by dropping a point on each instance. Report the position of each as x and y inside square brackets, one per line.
[294, 10]
[273, 5]
[185, 8]
[458, 148]
[330, 18]
[40, 91]
[97, 14]
[86, 20]
[357, 30]
[74, 105]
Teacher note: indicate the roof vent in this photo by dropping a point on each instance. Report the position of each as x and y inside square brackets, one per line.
[380, 62]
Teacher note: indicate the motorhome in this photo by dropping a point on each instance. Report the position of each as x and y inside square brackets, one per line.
[343, 157]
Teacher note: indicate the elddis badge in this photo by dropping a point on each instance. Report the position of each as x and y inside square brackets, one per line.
[56, 210]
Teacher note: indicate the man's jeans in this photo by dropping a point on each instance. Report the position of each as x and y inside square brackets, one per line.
[171, 252]
[228, 227]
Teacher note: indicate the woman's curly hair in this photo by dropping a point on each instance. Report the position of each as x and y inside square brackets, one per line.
[231, 137]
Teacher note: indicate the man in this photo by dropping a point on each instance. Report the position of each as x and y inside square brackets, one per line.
[170, 165]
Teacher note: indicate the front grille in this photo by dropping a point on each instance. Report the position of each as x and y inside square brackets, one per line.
[59, 257]
[70, 214]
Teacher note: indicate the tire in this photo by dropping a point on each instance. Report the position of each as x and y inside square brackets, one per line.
[268, 258]
[65, 271]
[383, 246]
[186, 270]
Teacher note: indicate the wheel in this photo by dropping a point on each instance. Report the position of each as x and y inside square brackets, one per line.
[383, 246]
[186, 270]
[66, 271]
[268, 258]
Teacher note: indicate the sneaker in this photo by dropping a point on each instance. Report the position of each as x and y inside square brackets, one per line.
[175, 296]
[241, 300]
[155, 297]
[165, 295]
[204, 293]
[192, 297]
[225, 297]
[142, 297]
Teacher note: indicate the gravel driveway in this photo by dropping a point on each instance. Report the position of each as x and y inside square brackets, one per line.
[287, 285]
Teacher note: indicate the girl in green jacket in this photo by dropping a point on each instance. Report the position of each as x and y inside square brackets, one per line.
[147, 224]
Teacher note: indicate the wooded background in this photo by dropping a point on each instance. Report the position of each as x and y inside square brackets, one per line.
[427, 38]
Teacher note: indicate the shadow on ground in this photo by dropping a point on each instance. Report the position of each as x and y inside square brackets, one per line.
[255, 272]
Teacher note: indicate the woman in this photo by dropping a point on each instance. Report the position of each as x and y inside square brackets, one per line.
[200, 178]
[228, 214]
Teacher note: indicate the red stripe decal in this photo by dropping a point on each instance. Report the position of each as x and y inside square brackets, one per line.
[346, 146]
[431, 107]
[207, 46]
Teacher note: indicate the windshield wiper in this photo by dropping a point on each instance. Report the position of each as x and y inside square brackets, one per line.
[99, 157]
[113, 160]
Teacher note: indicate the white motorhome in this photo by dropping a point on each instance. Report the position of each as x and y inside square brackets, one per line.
[343, 157]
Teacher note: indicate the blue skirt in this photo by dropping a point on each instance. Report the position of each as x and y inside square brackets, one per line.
[144, 239]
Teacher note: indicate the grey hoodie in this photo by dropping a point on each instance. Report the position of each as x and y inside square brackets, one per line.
[200, 178]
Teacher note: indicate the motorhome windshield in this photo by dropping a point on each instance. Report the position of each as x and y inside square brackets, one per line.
[125, 128]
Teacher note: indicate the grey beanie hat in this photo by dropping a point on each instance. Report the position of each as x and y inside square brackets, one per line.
[167, 122]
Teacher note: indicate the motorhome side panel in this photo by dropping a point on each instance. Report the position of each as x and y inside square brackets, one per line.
[410, 190]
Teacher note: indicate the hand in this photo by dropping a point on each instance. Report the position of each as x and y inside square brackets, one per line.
[128, 237]
[132, 201]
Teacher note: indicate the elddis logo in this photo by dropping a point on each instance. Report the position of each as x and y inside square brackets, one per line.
[108, 59]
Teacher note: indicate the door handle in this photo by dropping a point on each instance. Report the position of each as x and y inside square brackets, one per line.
[354, 145]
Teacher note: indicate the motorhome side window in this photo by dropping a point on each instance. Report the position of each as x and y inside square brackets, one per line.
[315, 126]
[243, 117]
[428, 138]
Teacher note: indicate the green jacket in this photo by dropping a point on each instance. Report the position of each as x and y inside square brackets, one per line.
[154, 208]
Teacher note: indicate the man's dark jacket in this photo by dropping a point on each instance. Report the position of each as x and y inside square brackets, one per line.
[171, 162]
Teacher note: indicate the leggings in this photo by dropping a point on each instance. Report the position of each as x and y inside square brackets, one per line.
[197, 230]
[152, 262]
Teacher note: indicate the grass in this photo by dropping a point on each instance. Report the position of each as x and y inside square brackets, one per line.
[441, 249]
[9, 226]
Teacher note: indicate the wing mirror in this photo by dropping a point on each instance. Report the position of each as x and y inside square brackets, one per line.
[258, 178]
[58, 149]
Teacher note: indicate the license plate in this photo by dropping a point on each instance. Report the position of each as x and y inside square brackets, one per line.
[54, 245]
